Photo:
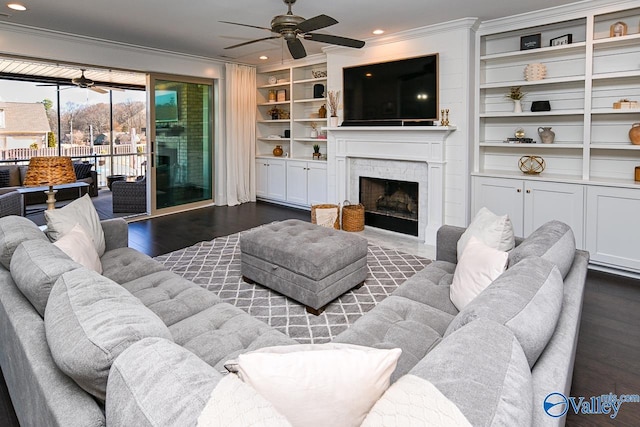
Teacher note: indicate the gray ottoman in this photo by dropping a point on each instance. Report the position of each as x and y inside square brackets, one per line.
[311, 264]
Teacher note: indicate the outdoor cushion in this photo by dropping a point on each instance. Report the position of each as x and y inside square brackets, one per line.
[35, 267]
[5, 178]
[526, 298]
[89, 321]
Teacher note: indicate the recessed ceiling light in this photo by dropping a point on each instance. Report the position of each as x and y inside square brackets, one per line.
[263, 57]
[378, 32]
[16, 6]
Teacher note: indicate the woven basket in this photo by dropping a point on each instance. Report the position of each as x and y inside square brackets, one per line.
[336, 224]
[352, 216]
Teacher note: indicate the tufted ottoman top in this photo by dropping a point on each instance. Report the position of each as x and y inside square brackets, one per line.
[307, 249]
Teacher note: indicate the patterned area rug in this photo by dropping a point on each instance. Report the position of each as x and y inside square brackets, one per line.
[215, 266]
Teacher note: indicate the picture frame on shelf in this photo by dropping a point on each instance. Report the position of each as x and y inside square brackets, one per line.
[562, 40]
[532, 41]
[281, 95]
[618, 29]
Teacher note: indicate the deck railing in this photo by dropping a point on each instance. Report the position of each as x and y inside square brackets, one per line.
[126, 159]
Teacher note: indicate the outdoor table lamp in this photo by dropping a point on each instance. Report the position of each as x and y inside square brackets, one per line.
[49, 171]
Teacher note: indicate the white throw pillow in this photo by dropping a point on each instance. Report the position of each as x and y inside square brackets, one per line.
[477, 268]
[79, 247]
[492, 230]
[80, 211]
[320, 384]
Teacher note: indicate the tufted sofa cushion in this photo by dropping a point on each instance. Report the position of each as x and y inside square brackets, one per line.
[171, 297]
[397, 322]
[308, 249]
[223, 332]
[430, 286]
[126, 264]
[13, 231]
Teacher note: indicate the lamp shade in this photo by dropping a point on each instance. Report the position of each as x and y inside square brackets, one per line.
[49, 171]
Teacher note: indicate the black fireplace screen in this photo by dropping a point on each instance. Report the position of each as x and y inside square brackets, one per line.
[390, 204]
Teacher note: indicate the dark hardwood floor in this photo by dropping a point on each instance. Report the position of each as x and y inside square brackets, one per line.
[608, 354]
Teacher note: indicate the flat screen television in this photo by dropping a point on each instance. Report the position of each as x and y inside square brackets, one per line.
[392, 93]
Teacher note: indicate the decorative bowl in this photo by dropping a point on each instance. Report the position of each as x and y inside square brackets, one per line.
[318, 74]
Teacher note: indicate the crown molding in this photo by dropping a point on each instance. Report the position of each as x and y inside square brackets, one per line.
[76, 38]
[554, 14]
[415, 33]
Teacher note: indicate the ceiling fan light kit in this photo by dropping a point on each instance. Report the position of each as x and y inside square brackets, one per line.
[292, 28]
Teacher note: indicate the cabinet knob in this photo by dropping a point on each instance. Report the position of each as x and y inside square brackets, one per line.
[519, 190]
[528, 191]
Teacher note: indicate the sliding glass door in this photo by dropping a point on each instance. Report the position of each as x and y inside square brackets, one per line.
[181, 143]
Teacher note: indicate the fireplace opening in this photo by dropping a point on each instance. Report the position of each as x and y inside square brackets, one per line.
[390, 204]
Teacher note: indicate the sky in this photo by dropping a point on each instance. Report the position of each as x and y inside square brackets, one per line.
[16, 91]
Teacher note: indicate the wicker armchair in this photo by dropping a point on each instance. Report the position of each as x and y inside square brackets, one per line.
[129, 197]
[11, 204]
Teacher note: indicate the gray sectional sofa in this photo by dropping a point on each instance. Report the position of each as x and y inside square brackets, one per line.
[69, 360]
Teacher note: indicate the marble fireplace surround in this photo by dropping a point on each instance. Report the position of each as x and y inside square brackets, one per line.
[404, 153]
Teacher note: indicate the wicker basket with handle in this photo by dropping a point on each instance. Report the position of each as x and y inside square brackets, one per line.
[352, 216]
[336, 224]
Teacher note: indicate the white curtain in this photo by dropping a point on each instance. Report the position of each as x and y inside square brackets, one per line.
[240, 143]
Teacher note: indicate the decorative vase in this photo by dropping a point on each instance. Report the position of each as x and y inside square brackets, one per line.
[333, 121]
[634, 134]
[277, 151]
[547, 135]
[517, 106]
[313, 134]
[322, 112]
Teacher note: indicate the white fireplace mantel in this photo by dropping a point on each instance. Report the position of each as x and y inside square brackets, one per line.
[412, 144]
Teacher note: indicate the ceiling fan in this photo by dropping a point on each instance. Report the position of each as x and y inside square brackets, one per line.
[292, 27]
[86, 83]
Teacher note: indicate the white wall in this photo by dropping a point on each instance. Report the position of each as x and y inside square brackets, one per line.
[454, 42]
[17, 40]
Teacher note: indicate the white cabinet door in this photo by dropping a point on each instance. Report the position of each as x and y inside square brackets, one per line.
[612, 231]
[297, 182]
[316, 183]
[262, 177]
[277, 180]
[500, 196]
[546, 201]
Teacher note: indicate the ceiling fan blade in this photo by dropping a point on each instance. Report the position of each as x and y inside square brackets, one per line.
[316, 23]
[252, 41]
[98, 89]
[296, 48]
[340, 41]
[245, 25]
